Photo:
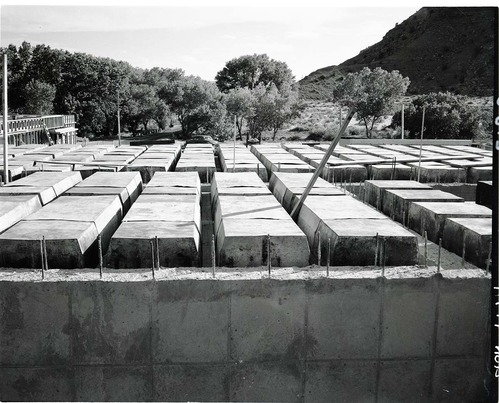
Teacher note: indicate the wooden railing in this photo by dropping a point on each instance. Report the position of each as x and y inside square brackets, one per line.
[34, 123]
[32, 129]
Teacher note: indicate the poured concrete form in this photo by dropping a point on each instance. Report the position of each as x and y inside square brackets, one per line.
[388, 171]
[243, 217]
[235, 184]
[335, 170]
[374, 190]
[431, 216]
[476, 174]
[472, 234]
[347, 226]
[276, 159]
[351, 227]
[157, 159]
[287, 188]
[13, 208]
[126, 185]
[174, 183]
[245, 161]
[198, 158]
[168, 213]
[58, 181]
[396, 202]
[485, 193]
[70, 226]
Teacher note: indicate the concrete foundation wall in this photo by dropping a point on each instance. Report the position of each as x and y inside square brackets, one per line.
[355, 336]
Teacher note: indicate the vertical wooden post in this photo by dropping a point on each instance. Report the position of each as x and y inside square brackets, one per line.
[402, 121]
[5, 123]
[421, 146]
[213, 256]
[234, 149]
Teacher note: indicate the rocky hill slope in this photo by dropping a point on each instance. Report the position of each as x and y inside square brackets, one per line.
[438, 48]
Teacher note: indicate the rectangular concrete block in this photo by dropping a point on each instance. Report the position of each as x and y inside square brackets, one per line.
[45, 194]
[374, 189]
[404, 381]
[353, 242]
[243, 243]
[35, 324]
[408, 318]
[431, 216]
[341, 381]
[183, 383]
[111, 323]
[474, 234]
[485, 193]
[190, 321]
[396, 202]
[60, 181]
[476, 174]
[69, 244]
[267, 320]
[104, 211]
[15, 208]
[266, 382]
[113, 383]
[388, 171]
[178, 242]
[343, 319]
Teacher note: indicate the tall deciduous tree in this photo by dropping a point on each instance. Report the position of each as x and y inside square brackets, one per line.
[251, 70]
[372, 94]
[39, 98]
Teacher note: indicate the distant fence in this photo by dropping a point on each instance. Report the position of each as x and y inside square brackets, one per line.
[31, 130]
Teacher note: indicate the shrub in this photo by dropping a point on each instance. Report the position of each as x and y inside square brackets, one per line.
[446, 116]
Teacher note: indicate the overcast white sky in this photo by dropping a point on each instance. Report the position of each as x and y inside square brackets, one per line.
[200, 39]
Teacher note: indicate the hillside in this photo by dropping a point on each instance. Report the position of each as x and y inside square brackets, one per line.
[438, 48]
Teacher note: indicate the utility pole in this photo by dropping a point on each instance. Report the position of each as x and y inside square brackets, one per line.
[119, 123]
[234, 150]
[5, 123]
[402, 120]
[421, 145]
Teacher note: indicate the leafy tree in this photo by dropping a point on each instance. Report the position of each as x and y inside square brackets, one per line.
[446, 116]
[196, 103]
[251, 70]
[372, 94]
[238, 102]
[39, 98]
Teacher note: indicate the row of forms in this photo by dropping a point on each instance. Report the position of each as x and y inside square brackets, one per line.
[149, 216]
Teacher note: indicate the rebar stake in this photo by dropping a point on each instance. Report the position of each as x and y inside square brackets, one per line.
[425, 249]
[383, 261]
[99, 244]
[328, 256]
[152, 258]
[269, 263]
[464, 250]
[319, 248]
[42, 259]
[45, 256]
[439, 253]
[156, 245]
[376, 253]
[213, 256]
